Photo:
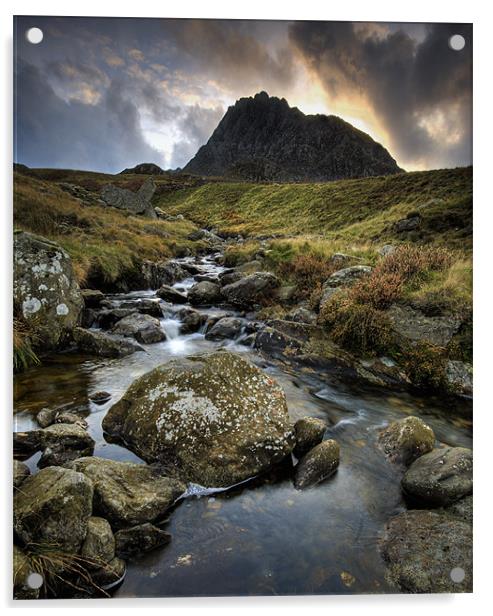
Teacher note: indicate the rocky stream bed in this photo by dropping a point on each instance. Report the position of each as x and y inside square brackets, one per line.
[233, 522]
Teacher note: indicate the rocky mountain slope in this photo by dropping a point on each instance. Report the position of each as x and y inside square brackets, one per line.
[262, 138]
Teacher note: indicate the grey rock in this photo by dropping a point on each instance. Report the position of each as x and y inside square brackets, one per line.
[169, 294]
[229, 277]
[386, 249]
[126, 493]
[53, 508]
[459, 377]
[407, 224]
[142, 327]
[109, 316]
[204, 294]
[46, 292]
[302, 315]
[155, 274]
[440, 477]
[251, 290]
[98, 548]
[406, 440]
[138, 539]
[462, 509]
[92, 297]
[308, 431]
[134, 203]
[342, 278]
[46, 417]
[103, 345]
[412, 326]
[65, 417]
[191, 320]
[20, 472]
[216, 417]
[226, 328]
[318, 464]
[422, 548]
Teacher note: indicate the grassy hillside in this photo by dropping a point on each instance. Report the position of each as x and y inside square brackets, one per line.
[351, 211]
[104, 243]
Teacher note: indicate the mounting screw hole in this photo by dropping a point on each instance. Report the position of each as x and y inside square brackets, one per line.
[34, 35]
[35, 580]
[457, 42]
[457, 575]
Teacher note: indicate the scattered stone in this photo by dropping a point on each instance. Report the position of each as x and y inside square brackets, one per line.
[251, 290]
[63, 443]
[169, 294]
[20, 472]
[386, 249]
[46, 417]
[342, 278]
[339, 259]
[92, 298]
[191, 320]
[407, 224]
[411, 326]
[422, 548]
[100, 397]
[406, 440]
[318, 464]
[53, 508]
[138, 539]
[155, 275]
[229, 276]
[440, 477]
[226, 328]
[65, 417]
[142, 327]
[107, 318]
[250, 267]
[145, 306]
[459, 377]
[286, 294]
[103, 345]
[134, 203]
[45, 290]
[98, 548]
[308, 431]
[205, 294]
[302, 315]
[129, 494]
[218, 418]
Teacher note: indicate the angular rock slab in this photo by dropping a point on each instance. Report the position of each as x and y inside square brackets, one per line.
[53, 508]
[422, 548]
[440, 477]
[126, 493]
[103, 345]
[216, 416]
[98, 548]
[251, 289]
[138, 539]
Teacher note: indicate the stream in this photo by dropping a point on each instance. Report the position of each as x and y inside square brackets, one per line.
[262, 537]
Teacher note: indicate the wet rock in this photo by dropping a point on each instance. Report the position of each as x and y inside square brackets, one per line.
[98, 548]
[154, 275]
[53, 509]
[107, 318]
[88, 317]
[309, 432]
[411, 326]
[406, 440]
[20, 472]
[216, 417]
[206, 278]
[299, 331]
[133, 202]
[229, 277]
[386, 369]
[65, 417]
[191, 268]
[191, 320]
[171, 295]
[205, 294]
[251, 290]
[142, 327]
[462, 509]
[45, 290]
[138, 539]
[440, 477]
[422, 548]
[128, 494]
[459, 377]
[144, 306]
[318, 464]
[276, 344]
[302, 315]
[62, 443]
[46, 417]
[100, 397]
[92, 298]
[226, 328]
[103, 345]
[66, 436]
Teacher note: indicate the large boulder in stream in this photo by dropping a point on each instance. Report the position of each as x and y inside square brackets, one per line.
[205, 293]
[216, 418]
[440, 477]
[126, 493]
[103, 345]
[53, 509]
[406, 440]
[318, 464]
[46, 293]
[428, 552]
[142, 327]
[251, 290]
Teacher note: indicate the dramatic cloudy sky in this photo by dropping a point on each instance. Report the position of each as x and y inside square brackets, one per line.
[104, 94]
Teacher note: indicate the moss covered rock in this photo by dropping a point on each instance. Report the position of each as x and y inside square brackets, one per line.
[98, 548]
[309, 431]
[406, 440]
[318, 464]
[216, 417]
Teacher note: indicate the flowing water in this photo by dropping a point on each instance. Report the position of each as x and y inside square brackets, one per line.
[263, 536]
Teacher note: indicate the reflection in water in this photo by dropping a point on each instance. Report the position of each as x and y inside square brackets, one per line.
[263, 536]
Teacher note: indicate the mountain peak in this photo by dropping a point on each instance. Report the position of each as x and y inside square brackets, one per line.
[262, 138]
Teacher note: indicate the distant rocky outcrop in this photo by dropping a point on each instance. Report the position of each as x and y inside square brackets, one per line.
[133, 202]
[262, 138]
[144, 169]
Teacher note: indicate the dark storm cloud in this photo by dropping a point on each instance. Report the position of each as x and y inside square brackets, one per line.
[420, 90]
[53, 132]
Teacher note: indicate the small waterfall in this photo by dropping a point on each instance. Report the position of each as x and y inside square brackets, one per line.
[176, 344]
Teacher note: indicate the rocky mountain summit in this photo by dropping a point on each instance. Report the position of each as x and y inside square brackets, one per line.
[144, 169]
[262, 138]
